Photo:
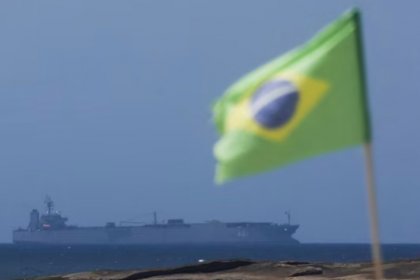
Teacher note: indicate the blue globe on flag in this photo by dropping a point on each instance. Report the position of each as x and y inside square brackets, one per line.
[274, 103]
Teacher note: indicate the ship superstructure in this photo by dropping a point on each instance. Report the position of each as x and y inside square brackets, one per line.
[52, 229]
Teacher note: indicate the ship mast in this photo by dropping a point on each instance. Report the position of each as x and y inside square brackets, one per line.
[49, 203]
[288, 215]
[155, 218]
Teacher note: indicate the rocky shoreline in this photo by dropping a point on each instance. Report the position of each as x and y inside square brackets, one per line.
[251, 270]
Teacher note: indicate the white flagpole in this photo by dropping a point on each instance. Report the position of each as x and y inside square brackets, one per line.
[373, 213]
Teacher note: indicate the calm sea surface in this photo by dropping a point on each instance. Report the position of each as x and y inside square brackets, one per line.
[23, 262]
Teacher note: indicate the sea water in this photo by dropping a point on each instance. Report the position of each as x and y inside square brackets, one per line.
[23, 262]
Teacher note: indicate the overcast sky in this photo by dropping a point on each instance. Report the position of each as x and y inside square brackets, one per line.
[106, 107]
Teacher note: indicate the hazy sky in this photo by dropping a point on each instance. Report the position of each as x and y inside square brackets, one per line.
[106, 106]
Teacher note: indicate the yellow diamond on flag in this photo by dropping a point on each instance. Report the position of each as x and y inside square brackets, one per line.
[277, 106]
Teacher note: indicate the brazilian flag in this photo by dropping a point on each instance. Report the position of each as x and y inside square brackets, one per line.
[309, 101]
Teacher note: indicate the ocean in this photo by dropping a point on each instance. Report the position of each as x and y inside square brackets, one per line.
[24, 262]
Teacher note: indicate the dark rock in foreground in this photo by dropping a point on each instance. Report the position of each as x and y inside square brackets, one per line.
[249, 270]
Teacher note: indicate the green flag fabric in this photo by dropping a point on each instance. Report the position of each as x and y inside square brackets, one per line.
[308, 101]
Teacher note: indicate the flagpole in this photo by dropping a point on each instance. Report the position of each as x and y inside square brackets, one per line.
[370, 176]
[373, 212]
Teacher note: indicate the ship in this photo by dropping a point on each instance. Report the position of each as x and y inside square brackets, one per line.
[51, 228]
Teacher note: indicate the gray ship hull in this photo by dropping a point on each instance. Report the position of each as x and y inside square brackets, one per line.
[200, 233]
